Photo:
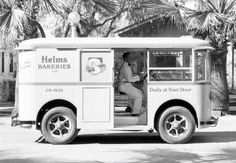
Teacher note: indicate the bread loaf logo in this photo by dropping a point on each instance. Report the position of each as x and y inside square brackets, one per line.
[95, 66]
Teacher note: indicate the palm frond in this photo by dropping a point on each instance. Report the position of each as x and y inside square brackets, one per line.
[212, 4]
[108, 5]
[12, 20]
[47, 6]
[207, 18]
[203, 20]
[85, 24]
[5, 5]
[172, 11]
[6, 42]
[222, 5]
[230, 7]
[5, 17]
[232, 28]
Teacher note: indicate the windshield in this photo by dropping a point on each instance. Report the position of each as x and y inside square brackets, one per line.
[202, 65]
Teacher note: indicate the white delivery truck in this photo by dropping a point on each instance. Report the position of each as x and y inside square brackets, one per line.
[67, 84]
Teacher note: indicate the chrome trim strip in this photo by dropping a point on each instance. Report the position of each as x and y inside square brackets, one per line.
[65, 83]
[178, 83]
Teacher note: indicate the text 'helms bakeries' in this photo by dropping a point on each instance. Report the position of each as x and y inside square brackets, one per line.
[53, 63]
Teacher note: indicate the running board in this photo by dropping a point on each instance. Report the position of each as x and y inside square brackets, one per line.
[127, 119]
[131, 128]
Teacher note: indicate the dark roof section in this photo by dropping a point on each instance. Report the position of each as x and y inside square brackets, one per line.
[135, 25]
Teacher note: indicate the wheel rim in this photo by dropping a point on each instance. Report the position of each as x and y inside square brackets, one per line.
[176, 125]
[59, 126]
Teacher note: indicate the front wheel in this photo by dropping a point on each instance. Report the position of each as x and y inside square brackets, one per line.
[59, 125]
[176, 125]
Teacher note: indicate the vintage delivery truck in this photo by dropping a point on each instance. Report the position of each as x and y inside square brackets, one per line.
[68, 84]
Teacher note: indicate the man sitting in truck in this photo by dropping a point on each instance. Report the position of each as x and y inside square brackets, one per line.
[126, 79]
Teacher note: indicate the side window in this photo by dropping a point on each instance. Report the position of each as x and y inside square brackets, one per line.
[170, 65]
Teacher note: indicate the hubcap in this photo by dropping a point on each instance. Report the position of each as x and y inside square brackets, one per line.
[59, 126]
[176, 125]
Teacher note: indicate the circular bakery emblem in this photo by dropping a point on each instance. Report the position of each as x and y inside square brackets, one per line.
[95, 66]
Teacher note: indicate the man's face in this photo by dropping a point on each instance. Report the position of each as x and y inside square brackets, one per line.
[129, 59]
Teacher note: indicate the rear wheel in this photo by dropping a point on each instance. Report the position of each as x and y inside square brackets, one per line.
[176, 125]
[59, 125]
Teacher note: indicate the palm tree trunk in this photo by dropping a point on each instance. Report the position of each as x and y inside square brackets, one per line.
[40, 28]
[219, 92]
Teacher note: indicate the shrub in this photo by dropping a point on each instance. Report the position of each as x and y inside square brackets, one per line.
[7, 89]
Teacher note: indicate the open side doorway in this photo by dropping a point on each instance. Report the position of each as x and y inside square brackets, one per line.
[124, 102]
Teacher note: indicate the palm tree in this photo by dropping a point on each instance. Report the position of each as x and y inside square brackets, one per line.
[94, 14]
[18, 22]
[213, 20]
[18, 18]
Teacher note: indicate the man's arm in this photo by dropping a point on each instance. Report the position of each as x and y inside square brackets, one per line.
[128, 75]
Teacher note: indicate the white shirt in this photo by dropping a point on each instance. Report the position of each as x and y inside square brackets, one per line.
[126, 74]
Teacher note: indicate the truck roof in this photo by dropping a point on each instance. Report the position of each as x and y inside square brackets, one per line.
[113, 42]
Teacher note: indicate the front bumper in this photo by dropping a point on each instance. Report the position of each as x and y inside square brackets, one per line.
[213, 122]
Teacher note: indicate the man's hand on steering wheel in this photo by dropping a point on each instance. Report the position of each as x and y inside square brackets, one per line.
[143, 76]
